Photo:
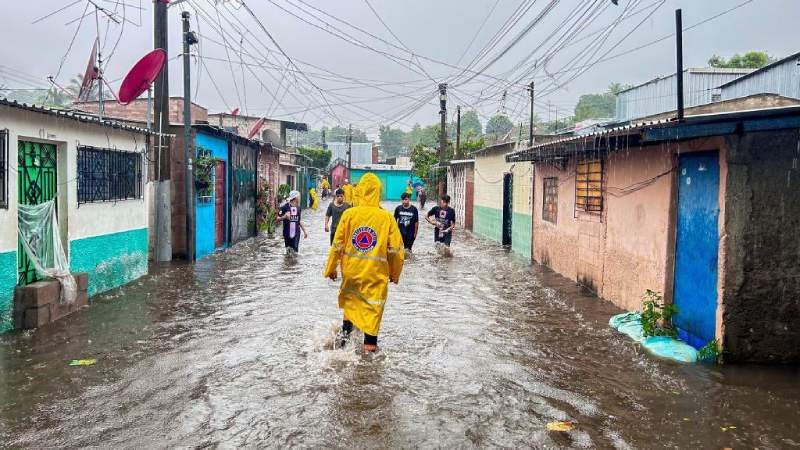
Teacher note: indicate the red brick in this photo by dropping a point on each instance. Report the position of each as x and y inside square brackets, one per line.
[39, 294]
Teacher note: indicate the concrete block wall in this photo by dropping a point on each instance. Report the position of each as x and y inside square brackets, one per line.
[38, 304]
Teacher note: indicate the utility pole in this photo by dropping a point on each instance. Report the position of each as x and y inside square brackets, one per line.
[442, 133]
[530, 123]
[162, 185]
[349, 149]
[679, 61]
[458, 130]
[188, 153]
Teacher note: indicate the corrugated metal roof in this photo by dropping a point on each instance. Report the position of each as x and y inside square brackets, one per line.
[781, 77]
[768, 67]
[639, 127]
[74, 115]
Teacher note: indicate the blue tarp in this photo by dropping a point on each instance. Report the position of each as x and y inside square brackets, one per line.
[630, 324]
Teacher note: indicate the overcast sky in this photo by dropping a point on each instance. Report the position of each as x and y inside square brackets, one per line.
[332, 81]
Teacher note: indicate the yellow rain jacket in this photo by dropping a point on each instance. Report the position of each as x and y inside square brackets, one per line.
[356, 196]
[369, 247]
[314, 201]
[348, 193]
[325, 184]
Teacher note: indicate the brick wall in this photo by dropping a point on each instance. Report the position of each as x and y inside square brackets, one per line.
[137, 110]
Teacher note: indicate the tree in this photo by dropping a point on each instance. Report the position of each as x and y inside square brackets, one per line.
[339, 134]
[428, 136]
[422, 158]
[498, 126]
[750, 60]
[598, 106]
[320, 158]
[392, 141]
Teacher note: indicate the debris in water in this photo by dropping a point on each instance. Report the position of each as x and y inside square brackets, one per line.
[83, 362]
[565, 425]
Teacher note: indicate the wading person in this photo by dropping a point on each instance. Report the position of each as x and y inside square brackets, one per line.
[292, 225]
[334, 213]
[407, 217]
[421, 197]
[443, 217]
[369, 248]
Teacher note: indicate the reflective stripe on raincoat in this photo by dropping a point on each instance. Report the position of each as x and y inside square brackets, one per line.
[369, 247]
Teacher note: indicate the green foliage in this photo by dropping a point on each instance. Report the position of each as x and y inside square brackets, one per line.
[283, 192]
[427, 137]
[709, 352]
[339, 134]
[471, 127]
[204, 174]
[656, 316]
[750, 60]
[598, 106]
[471, 146]
[266, 213]
[498, 126]
[320, 158]
[392, 141]
[422, 158]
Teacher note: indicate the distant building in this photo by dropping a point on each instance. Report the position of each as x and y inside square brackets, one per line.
[272, 131]
[781, 78]
[395, 179]
[700, 86]
[361, 152]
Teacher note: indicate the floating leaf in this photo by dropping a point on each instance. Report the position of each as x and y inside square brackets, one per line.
[565, 425]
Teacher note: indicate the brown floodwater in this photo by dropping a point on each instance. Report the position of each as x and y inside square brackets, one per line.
[477, 350]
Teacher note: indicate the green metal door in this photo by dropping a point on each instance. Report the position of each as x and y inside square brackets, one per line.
[36, 183]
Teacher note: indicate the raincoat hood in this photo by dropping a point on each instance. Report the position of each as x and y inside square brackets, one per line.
[369, 190]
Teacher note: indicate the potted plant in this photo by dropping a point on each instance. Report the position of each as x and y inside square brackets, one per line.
[204, 174]
[266, 213]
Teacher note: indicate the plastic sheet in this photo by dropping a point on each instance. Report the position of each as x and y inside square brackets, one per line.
[40, 237]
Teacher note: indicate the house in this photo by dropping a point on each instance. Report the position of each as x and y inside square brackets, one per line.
[781, 77]
[702, 210]
[339, 173]
[394, 179]
[502, 197]
[700, 87]
[272, 131]
[95, 171]
[461, 189]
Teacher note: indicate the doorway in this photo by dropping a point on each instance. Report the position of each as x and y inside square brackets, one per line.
[508, 208]
[220, 197]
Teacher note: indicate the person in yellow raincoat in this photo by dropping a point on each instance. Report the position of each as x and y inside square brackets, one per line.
[369, 248]
[356, 195]
[314, 200]
[348, 192]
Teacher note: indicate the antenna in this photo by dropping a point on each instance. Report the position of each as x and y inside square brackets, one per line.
[141, 76]
[256, 127]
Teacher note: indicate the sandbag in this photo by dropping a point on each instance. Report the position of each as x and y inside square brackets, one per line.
[615, 321]
[667, 347]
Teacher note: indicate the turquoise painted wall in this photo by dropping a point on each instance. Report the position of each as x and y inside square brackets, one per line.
[204, 211]
[394, 182]
[8, 280]
[521, 234]
[487, 222]
[111, 260]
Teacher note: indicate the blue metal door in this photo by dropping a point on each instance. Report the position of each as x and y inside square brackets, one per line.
[697, 243]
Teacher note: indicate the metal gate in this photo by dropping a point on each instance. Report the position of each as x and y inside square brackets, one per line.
[243, 192]
[36, 183]
[508, 208]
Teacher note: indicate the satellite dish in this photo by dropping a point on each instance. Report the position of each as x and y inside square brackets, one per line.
[92, 73]
[256, 128]
[141, 76]
[235, 112]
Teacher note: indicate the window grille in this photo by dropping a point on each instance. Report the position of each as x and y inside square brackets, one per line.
[589, 186]
[4, 169]
[108, 175]
[550, 204]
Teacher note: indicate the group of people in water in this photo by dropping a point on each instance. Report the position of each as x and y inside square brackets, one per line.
[368, 247]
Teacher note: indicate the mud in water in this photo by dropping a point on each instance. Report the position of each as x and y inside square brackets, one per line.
[477, 350]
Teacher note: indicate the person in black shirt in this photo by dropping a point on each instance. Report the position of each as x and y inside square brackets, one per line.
[407, 217]
[335, 210]
[443, 217]
[292, 225]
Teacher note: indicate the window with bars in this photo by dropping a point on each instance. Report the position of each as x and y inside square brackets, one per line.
[3, 169]
[108, 175]
[589, 186]
[550, 203]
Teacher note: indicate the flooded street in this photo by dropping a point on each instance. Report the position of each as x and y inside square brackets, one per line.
[478, 350]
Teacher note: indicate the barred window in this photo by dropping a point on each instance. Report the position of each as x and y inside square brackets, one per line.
[108, 175]
[550, 203]
[4, 169]
[589, 186]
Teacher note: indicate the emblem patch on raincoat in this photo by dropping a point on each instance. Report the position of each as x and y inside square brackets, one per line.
[364, 239]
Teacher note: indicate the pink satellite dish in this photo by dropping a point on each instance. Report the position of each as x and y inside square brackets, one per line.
[91, 74]
[256, 128]
[235, 112]
[141, 76]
